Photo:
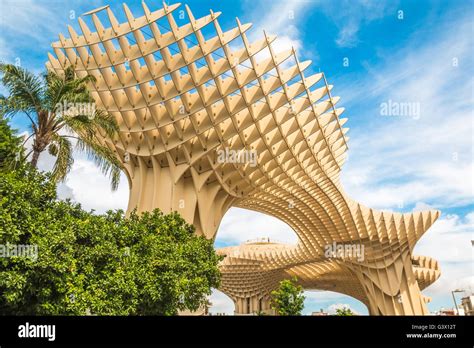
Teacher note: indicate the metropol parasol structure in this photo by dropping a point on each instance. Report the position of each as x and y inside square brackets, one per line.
[183, 94]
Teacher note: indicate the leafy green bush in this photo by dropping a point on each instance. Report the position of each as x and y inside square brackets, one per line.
[344, 312]
[148, 264]
[288, 299]
[11, 150]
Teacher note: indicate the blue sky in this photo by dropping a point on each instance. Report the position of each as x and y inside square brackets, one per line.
[374, 53]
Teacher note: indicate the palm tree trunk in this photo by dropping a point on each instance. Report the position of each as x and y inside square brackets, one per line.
[34, 159]
[39, 144]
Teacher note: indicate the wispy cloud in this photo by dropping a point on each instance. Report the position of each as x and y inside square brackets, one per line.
[350, 15]
[449, 241]
[30, 26]
[396, 161]
[28, 19]
[425, 160]
[279, 18]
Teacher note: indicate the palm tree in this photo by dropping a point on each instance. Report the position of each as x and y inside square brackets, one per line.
[50, 102]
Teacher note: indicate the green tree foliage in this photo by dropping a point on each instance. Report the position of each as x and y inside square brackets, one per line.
[345, 311]
[50, 104]
[288, 299]
[11, 149]
[149, 264]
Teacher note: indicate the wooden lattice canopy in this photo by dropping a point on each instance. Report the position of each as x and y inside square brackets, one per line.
[184, 94]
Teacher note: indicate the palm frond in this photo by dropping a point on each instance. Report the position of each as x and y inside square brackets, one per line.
[12, 105]
[29, 93]
[61, 148]
[100, 123]
[80, 124]
[89, 132]
[55, 89]
[67, 88]
[106, 122]
[26, 88]
[70, 76]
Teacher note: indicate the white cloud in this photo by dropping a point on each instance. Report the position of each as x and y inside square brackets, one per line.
[404, 160]
[92, 189]
[221, 303]
[348, 35]
[317, 300]
[426, 162]
[449, 242]
[65, 192]
[454, 235]
[24, 23]
[240, 225]
[282, 19]
[315, 295]
[27, 18]
[421, 206]
[86, 184]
